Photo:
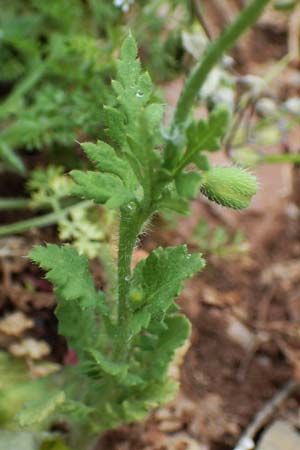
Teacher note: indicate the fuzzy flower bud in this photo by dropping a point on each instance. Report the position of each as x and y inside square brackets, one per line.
[229, 186]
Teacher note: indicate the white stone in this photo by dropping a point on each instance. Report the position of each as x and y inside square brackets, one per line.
[280, 436]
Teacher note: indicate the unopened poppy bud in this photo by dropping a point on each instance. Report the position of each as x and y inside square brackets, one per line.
[229, 186]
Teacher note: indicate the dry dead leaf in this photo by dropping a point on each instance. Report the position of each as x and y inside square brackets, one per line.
[176, 415]
[15, 324]
[210, 419]
[30, 348]
[181, 441]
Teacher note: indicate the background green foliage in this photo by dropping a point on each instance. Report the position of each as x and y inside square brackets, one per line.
[56, 61]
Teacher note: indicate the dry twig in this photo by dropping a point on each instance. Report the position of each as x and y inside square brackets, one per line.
[199, 15]
[294, 36]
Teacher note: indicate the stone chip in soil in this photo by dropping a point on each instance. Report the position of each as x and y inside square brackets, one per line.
[280, 436]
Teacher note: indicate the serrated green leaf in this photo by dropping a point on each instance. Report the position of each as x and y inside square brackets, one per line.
[134, 89]
[106, 160]
[128, 66]
[78, 300]
[139, 320]
[102, 188]
[188, 184]
[201, 161]
[154, 115]
[68, 271]
[161, 275]
[40, 410]
[129, 170]
[115, 125]
[171, 201]
[144, 88]
[75, 410]
[151, 396]
[72, 318]
[176, 332]
[205, 135]
[108, 366]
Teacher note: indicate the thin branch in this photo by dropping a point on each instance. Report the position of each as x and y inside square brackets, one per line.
[225, 10]
[38, 222]
[211, 57]
[294, 35]
[199, 15]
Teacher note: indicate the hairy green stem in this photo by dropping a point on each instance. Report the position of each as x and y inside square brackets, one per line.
[200, 72]
[38, 222]
[127, 239]
[130, 227]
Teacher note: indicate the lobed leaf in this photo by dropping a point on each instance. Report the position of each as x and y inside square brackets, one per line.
[206, 134]
[172, 336]
[188, 184]
[68, 271]
[128, 168]
[105, 159]
[102, 188]
[40, 410]
[78, 300]
[162, 274]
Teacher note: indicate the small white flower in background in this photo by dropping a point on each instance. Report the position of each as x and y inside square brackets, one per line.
[256, 85]
[84, 229]
[123, 4]
[194, 43]
[218, 87]
[225, 96]
[266, 107]
[212, 83]
[292, 105]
